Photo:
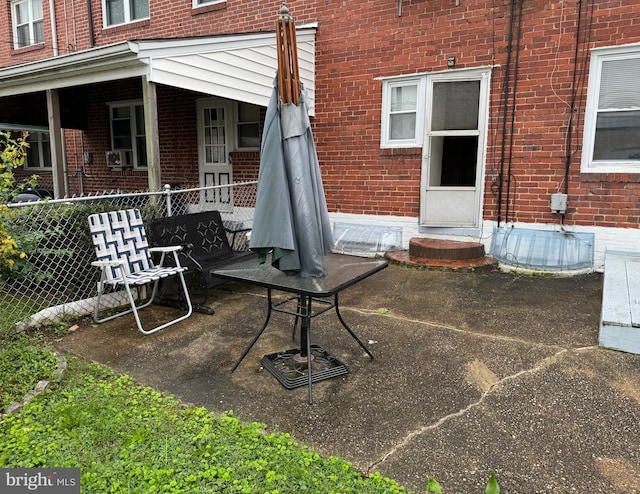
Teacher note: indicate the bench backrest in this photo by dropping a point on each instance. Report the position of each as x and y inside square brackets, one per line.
[204, 232]
[120, 236]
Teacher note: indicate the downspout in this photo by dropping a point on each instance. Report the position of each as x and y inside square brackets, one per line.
[513, 109]
[505, 110]
[54, 30]
[572, 106]
[92, 39]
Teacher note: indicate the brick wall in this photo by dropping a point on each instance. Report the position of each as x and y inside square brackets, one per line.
[360, 41]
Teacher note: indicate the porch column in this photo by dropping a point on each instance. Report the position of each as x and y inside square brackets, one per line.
[56, 142]
[151, 133]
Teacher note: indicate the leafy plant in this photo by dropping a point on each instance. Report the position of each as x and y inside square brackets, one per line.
[22, 365]
[12, 156]
[130, 438]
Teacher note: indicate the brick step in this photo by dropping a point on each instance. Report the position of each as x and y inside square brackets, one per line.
[430, 248]
[426, 253]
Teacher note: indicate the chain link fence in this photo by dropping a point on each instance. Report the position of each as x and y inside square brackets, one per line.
[55, 281]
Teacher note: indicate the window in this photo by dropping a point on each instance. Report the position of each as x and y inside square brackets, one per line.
[127, 133]
[124, 11]
[248, 126]
[28, 26]
[403, 113]
[39, 152]
[612, 118]
[200, 3]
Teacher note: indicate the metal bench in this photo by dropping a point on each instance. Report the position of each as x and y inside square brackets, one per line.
[206, 244]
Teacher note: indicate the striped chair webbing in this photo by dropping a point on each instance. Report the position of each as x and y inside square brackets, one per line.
[120, 235]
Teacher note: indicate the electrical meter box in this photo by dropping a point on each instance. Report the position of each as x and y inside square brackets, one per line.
[559, 203]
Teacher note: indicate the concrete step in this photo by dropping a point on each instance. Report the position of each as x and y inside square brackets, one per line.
[429, 253]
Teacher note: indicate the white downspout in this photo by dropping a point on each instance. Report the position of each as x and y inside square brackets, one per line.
[54, 32]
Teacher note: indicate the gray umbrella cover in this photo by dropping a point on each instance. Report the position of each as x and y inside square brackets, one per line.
[291, 219]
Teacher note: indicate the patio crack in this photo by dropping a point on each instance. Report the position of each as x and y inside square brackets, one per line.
[546, 362]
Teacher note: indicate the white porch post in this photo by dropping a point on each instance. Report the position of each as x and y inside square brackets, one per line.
[151, 132]
[57, 145]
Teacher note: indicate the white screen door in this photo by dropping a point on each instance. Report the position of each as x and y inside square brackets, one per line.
[213, 154]
[454, 148]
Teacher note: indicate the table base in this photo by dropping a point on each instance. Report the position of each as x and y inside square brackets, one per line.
[292, 373]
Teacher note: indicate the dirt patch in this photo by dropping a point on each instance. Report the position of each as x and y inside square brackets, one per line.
[478, 374]
[624, 475]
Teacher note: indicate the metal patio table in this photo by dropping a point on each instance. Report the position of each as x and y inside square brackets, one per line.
[342, 272]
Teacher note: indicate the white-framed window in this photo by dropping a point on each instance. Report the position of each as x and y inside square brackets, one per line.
[402, 112]
[201, 3]
[612, 118]
[247, 126]
[127, 132]
[28, 25]
[39, 152]
[124, 11]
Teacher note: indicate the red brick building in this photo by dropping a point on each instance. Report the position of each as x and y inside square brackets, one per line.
[449, 118]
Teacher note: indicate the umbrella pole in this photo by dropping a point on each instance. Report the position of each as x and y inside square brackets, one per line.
[288, 74]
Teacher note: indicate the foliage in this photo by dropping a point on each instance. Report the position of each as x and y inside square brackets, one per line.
[50, 235]
[129, 438]
[12, 156]
[22, 365]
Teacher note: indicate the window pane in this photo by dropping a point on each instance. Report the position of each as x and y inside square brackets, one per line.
[120, 112]
[139, 9]
[21, 13]
[38, 32]
[249, 135]
[248, 113]
[115, 12]
[618, 84]
[46, 151]
[141, 148]
[139, 120]
[402, 126]
[36, 7]
[455, 105]
[617, 136]
[23, 36]
[404, 98]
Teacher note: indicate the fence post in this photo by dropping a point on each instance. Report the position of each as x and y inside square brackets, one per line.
[167, 193]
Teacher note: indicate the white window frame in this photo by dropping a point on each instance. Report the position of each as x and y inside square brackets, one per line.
[127, 13]
[237, 123]
[132, 128]
[38, 136]
[205, 3]
[387, 87]
[588, 165]
[31, 22]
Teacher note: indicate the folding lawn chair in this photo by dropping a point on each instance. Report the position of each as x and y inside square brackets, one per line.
[124, 257]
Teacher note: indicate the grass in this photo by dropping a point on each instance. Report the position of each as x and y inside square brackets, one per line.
[127, 438]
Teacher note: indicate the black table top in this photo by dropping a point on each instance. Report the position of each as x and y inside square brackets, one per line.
[342, 272]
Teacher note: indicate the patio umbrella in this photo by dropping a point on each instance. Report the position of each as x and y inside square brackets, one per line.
[291, 220]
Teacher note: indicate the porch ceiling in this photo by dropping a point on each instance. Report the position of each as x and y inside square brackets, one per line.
[238, 67]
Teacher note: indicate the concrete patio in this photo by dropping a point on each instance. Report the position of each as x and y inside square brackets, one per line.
[473, 373]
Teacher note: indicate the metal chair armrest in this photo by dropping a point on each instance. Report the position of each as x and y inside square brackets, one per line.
[170, 248]
[102, 264]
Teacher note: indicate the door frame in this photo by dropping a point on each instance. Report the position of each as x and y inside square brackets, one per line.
[215, 199]
[465, 218]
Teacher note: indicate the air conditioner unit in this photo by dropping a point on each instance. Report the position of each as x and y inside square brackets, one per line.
[116, 160]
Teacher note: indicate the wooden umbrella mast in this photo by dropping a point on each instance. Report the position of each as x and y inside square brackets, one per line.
[288, 76]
